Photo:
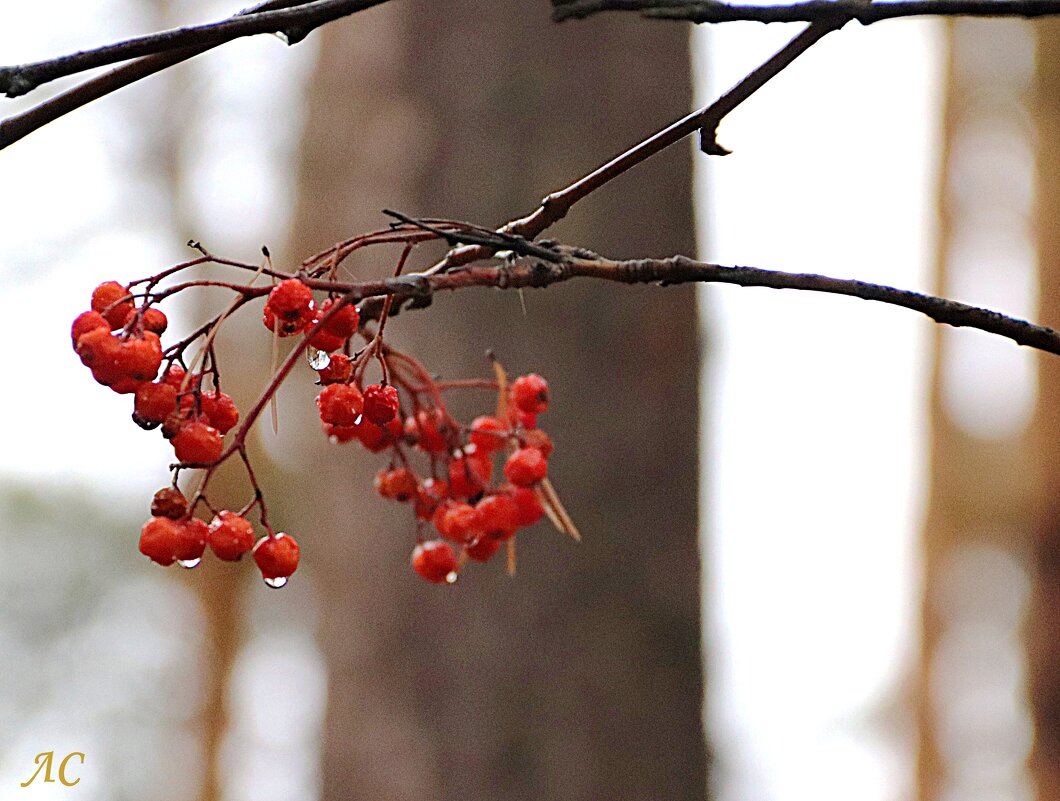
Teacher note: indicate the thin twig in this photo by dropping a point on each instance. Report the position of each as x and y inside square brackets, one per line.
[21, 79]
[554, 207]
[21, 125]
[710, 11]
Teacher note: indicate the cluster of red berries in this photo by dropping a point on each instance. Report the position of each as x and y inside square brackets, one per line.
[473, 511]
[173, 535]
[460, 498]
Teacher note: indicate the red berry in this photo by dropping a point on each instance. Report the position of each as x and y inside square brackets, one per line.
[340, 404]
[174, 376]
[191, 540]
[458, 522]
[469, 475]
[482, 549]
[326, 341]
[431, 430]
[338, 371]
[230, 536]
[398, 484]
[291, 299]
[530, 393]
[276, 558]
[380, 403]
[85, 322]
[525, 467]
[488, 434]
[169, 502]
[528, 508]
[536, 438]
[378, 438]
[435, 561]
[140, 358]
[107, 300]
[98, 349]
[220, 410]
[429, 495]
[154, 403]
[198, 442]
[339, 434]
[497, 516]
[342, 323]
[283, 328]
[158, 539]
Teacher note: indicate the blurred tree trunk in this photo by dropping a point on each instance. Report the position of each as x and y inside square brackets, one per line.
[1044, 623]
[581, 677]
[971, 713]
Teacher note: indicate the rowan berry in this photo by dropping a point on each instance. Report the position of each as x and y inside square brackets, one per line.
[107, 300]
[530, 393]
[398, 484]
[230, 536]
[219, 409]
[536, 438]
[525, 467]
[497, 516]
[98, 348]
[338, 371]
[482, 549]
[190, 543]
[340, 404]
[85, 322]
[469, 474]
[517, 418]
[344, 322]
[291, 299]
[435, 561]
[381, 403]
[430, 429]
[169, 502]
[197, 442]
[326, 341]
[488, 434]
[528, 508]
[378, 438]
[283, 328]
[158, 539]
[276, 557]
[140, 358]
[339, 434]
[429, 495]
[458, 522]
[151, 319]
[154, 403]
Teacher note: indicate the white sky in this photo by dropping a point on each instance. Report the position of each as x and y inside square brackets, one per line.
[815, 410]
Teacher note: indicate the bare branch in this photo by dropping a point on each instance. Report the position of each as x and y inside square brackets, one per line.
[813, 11]
[304, 17]
[20, 125]
[706, 120]
[577, 263]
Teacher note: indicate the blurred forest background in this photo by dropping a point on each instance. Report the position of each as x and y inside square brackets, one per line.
[583, 678]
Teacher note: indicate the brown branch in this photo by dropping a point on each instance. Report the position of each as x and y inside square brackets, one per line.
[710, 11]
[20, 125]
[304, 16]
[706, 120]
[680, 270]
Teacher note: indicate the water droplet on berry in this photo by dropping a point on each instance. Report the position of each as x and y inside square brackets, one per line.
[276, 582]
[318, 360]
[451, 577]
[188, 564]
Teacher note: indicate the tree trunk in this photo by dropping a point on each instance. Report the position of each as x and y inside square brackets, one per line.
[581, 677]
